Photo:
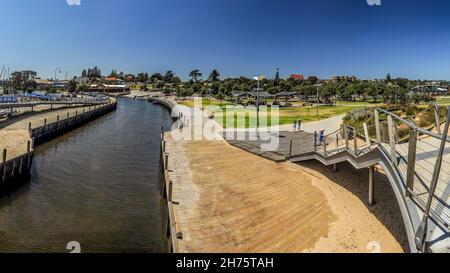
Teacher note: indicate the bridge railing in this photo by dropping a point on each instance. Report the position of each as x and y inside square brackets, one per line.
[347, 138]
[421, 158]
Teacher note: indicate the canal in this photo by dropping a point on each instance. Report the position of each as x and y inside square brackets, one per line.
[98, 185]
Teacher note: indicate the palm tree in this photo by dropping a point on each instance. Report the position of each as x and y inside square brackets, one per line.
[195, 75]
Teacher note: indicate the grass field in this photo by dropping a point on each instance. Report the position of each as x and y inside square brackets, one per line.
[443, 101]
[239, 117]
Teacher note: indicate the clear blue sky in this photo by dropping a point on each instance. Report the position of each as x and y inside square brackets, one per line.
[409, 38]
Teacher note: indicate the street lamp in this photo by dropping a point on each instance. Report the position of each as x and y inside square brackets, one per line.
[318, 99]
[57, 70]
[258, 79]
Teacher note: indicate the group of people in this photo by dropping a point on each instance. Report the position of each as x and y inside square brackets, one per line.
[298, 127]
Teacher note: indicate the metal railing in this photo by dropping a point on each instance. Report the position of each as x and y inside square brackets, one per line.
[422, 164]
[419, 156]
[347, 138]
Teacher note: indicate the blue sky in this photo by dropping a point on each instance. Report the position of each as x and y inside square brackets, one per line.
[409, 38]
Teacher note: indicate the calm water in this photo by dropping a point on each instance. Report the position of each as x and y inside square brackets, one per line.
[98, 185]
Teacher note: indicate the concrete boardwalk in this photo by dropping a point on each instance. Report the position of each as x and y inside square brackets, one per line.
[229, 200]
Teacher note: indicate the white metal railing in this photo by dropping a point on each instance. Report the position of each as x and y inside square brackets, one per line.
[347, 138]
[423, 164]
[420, 156]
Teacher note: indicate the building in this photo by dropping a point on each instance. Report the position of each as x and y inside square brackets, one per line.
[82, 80]
[109, 88]
[336, 79]
[41, 83]
[113, 81]
[431, 89]
[298, 77]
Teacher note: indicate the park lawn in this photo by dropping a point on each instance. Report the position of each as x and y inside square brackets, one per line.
[205, 103]
[443, 101]
[359, 103]
[241, 118]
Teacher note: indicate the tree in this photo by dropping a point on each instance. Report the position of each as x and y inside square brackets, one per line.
[312, 80]
[214, 76]
[142, 77]
[168, 77]
[220, 96]
[276, 82]
[195, 75]
[71, 86]
[84, 73]
[83, 88]
[113, 74]
[156, 77]
[388, 78]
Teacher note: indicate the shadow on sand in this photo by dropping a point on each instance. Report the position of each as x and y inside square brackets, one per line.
[386, 209]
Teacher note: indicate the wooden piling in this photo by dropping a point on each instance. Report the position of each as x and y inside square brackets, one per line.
[372, 186]
[290, 148]
[29, 155]
[4, 164]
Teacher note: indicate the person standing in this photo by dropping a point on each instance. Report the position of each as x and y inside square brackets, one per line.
[299, 124]
[295, 126]
[322, 135]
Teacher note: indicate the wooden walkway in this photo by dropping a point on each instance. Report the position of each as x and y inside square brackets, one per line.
[228, 200]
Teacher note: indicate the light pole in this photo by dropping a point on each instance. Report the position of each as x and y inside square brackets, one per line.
[57, 70]
[318, 99]
[258, 79]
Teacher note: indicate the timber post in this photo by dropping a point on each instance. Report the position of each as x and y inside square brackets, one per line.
[4, 164]
[372, 186]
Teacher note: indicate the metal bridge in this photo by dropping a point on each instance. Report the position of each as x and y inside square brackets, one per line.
[415, 160]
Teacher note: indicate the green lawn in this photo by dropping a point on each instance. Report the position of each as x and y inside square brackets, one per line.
[359, 103]
[241, 118]
[205, 103]
[443, 101]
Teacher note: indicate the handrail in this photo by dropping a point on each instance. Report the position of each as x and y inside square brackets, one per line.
[413, 126]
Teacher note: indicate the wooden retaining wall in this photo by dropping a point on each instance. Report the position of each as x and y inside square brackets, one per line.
[16, 169]
[170, 225]
[52, 130]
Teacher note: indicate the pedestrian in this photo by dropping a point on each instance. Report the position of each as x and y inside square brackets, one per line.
[322, 135]
[295, 126]
[299, 124]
